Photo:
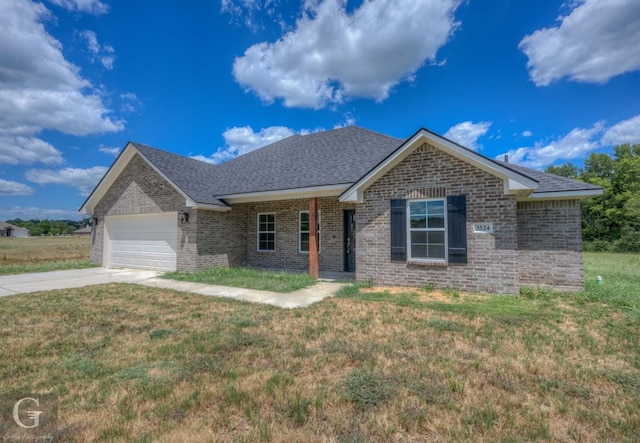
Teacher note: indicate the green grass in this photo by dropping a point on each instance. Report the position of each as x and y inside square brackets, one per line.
[45, 266]
[133, 363]
[247, 278]
[620, 280]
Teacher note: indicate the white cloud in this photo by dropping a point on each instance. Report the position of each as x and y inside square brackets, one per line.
[333, 54]
[597, 40]
[130, 102]
[250, 12]
[526, 133]
[627, 131]
[111, 150]
[467, 133]
[241, 140]
[348, 120]
[82, 179]
[33, 213]
[105, 54]
[39, 88]
[95, 7]
[18, 149]
[576, 144]
[8, 187]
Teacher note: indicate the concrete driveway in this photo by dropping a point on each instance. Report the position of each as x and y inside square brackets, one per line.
[75, 278]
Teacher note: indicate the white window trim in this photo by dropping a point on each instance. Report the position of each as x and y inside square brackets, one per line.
[258, 232]
[300, 251]
[445, 230]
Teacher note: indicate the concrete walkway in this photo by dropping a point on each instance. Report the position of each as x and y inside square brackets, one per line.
[296, 299]
[77, 278]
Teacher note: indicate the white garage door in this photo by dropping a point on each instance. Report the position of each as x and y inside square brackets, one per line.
[142, 241]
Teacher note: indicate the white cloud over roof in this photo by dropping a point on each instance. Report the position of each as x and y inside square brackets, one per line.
[243, 139]
[578, 143]
[333, 54]
[467, 133]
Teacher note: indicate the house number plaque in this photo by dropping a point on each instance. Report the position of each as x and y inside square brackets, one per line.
[483, 228]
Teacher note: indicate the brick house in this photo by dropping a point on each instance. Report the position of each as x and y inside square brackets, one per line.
[400, 212]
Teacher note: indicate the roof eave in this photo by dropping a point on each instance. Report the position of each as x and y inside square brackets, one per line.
[286, 194]
[580, 194]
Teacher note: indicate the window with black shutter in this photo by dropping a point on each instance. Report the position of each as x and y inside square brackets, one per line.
[429, 230]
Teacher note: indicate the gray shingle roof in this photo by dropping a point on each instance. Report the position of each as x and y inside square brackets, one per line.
[193, 177]
[550, 182]
[332, 157]
[339, 156]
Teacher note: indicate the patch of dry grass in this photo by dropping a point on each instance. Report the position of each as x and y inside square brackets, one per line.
[36, 254]
[14, 250]
[136, 363]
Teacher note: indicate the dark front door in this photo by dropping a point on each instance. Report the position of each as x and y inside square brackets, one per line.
[350, 240]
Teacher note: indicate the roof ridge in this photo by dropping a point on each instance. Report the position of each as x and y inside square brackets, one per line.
[138, 145]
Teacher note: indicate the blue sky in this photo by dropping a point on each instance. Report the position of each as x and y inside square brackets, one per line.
[546, 82]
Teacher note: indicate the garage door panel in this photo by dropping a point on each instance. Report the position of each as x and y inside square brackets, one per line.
[142, 241]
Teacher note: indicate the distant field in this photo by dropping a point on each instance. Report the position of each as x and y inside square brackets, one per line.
[36, 254]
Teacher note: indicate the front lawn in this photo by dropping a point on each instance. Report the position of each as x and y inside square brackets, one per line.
[246, 278]
[374, 364]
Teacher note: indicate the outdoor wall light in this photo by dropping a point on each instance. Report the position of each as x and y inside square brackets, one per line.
[184, 217]
[93, 221]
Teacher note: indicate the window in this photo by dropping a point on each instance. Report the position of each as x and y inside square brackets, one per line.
[427, 233]
[267, 232]
[423, 231]
[304, 232]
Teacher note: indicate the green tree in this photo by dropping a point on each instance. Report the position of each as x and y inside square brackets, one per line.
[45, 226]
[568, 170]
[614, 217]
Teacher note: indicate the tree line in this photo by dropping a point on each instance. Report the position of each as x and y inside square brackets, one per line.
[610, 222]
[37, 228]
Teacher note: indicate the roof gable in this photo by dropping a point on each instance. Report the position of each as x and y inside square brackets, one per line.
[514, 182]
[189, 177]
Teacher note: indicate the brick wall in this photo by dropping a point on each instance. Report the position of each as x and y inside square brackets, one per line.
[286, 254]
[550, 244]
[492, 258]
[222, 238]
[141, 190]
[212, 238]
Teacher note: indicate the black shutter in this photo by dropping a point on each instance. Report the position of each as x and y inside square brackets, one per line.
[398, 229]
[457, 228]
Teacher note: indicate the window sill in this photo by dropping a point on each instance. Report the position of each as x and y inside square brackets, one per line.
[427, 263]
